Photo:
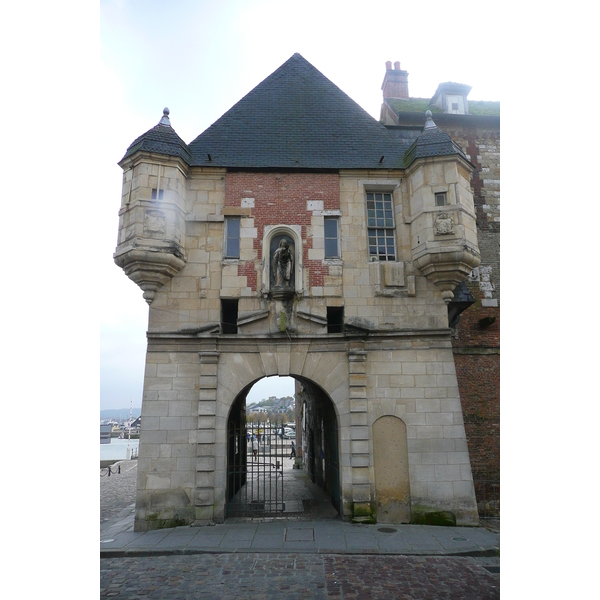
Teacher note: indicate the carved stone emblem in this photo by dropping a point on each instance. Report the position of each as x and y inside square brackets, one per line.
[443, 224]
[154, 223]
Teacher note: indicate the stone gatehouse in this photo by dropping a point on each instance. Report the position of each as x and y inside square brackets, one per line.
[297, 236]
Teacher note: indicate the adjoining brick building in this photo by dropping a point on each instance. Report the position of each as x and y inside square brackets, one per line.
[475, 127]
[298, 236]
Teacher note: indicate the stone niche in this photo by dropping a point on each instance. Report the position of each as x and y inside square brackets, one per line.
[282, 261]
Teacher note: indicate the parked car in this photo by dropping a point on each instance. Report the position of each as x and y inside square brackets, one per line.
[289, 434]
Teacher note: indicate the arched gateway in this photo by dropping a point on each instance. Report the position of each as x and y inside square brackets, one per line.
[313, 252]
[261, 480]
[324, 408]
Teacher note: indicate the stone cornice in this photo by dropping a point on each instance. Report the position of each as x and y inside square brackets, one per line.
[424, 160]
[440, 209]
[142, 156]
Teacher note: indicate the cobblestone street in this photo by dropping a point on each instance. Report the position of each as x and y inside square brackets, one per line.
[298, 577]
[117, 491]
[289, 575]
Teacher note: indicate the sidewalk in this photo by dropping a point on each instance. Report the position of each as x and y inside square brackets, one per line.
[321, 537]
[318, 536]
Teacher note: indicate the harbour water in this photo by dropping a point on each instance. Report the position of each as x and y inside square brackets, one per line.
[117, 449]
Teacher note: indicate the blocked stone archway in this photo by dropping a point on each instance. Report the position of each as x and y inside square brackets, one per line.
[390, 457]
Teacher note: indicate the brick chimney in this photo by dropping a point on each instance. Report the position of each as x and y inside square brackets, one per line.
[395, 82]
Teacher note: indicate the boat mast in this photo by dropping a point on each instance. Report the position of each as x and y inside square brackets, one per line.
[129, 440]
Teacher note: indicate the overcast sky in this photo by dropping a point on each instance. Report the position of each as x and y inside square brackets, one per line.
[201, 57]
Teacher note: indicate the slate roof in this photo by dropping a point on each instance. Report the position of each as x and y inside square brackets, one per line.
[161, 139]
[432, 142]
[297, 119]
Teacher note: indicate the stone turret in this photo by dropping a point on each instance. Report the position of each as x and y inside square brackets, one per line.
[151, 240]
[442, 221]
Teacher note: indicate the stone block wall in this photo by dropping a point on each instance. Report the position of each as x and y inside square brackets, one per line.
[169, 437]
[420, 387]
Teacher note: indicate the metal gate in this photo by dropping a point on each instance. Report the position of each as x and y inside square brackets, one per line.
[255, 455]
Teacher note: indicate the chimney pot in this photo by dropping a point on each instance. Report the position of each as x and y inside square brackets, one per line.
[397, 65]
[388, 65]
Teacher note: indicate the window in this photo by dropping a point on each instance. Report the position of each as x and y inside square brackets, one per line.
[232, 238]
[160, 194]
[335, 319]
[332, 247]
[229, 315]
[440, 199]
[380, 226]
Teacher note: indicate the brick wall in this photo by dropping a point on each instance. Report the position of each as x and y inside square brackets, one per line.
[479, 384]
[281, 198]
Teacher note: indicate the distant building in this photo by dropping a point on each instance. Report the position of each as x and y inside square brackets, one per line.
[105, 434]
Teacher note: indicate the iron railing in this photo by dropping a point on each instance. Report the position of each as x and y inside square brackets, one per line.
[256, 454]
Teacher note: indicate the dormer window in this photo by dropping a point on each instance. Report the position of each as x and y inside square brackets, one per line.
[455, 104]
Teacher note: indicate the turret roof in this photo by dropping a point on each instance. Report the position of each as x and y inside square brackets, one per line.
[432, 142]
[161, 139]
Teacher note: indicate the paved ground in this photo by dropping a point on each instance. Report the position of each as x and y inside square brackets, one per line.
[117, 491]
[298, 557]
[298, 577]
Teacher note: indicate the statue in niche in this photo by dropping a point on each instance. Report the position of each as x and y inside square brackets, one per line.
[282, 265]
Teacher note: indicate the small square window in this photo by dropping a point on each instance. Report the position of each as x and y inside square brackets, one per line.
[441, 199]
[335, 319]
[232, 238]
[455, 106]
[332, 247]
[160, 194]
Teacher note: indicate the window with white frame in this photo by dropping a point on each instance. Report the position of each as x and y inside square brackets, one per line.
[380, 226]
[232, 238]
[332, 244]
[157, 194]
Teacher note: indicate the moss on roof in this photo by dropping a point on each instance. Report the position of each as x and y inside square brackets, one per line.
[484, 108]
[476, 107]
[413, 105]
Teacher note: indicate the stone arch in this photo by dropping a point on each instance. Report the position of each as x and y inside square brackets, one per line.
[390, 460]
[295, 233]
[238, 372]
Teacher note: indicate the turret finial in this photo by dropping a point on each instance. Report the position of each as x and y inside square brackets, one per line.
[165, 118]
[429, 124]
